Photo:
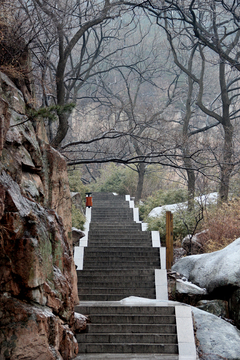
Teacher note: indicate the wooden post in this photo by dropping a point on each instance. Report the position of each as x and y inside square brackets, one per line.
[169, 239]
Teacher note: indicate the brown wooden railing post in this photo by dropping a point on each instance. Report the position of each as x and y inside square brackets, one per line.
[169, 239]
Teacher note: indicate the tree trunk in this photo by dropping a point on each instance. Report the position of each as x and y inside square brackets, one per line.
[190, 178]
[191, 188]
[62, 129]
[226, 166]
[186, 158]
[141, 173]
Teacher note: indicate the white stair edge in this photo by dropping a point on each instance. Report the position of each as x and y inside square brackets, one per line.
[144, 226]
[185, 333]
[156, 239]
[78, 257]
[83, 242]
[163, 258]
[161, 285]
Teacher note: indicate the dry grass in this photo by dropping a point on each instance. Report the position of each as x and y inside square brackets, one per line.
[12, 45]
[223, 226]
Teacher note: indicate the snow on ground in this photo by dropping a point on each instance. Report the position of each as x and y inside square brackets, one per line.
[205, 199]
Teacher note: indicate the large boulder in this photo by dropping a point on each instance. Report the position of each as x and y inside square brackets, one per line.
[213, 270]
[195, 244]
[219, 273]
[216, 339]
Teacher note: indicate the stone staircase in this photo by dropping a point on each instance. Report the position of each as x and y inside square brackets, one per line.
[129, 329]
[119, 262]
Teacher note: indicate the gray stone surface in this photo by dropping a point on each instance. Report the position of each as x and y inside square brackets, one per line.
[126, 357]
[234, 307]
[216, 307]
[216, 338]
[194, 244]
[213, 270]
[186, 287]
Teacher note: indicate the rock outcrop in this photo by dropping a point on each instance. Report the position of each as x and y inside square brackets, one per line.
[195, 244]
[212, 270]
[38, 287]
[218, 272]
[216, 338]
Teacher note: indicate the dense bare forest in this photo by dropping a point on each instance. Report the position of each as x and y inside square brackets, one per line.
[150, 85]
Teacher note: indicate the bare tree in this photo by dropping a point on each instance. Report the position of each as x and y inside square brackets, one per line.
[182, 40]
[61, 45]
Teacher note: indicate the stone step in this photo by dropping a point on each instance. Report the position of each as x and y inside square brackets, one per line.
[106, 356]
[139, 338]
[131, 261]
[115, 273]
[126, 213]
[119, 263]
[115, 297]
[125, 310]
[114, 207]
[132, 290]
[119, 233]
[134, 328]
[118, 239]
[120, 283]
[103, 195]
[118, 224]
[132, 319]
[128, 348]
[124, 260]
[114, 210]
[107, 204]
[109, 201]
[116, 256]
[115, 228]
[111, 206]
[130, 225]
[121, 243]
[109, 217]
[116, 280]
[93, 234]
[135, 262]
[118, 251]
[113, 214]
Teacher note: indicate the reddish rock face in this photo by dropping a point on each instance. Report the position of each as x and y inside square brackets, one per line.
[32, 332]
[36, 262]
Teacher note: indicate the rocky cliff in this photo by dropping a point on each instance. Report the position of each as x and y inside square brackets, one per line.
[38, 287]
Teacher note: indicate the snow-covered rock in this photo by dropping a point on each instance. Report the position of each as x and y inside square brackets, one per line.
[216, 338]
[212, 270]
[204, 199]
[186, 287]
